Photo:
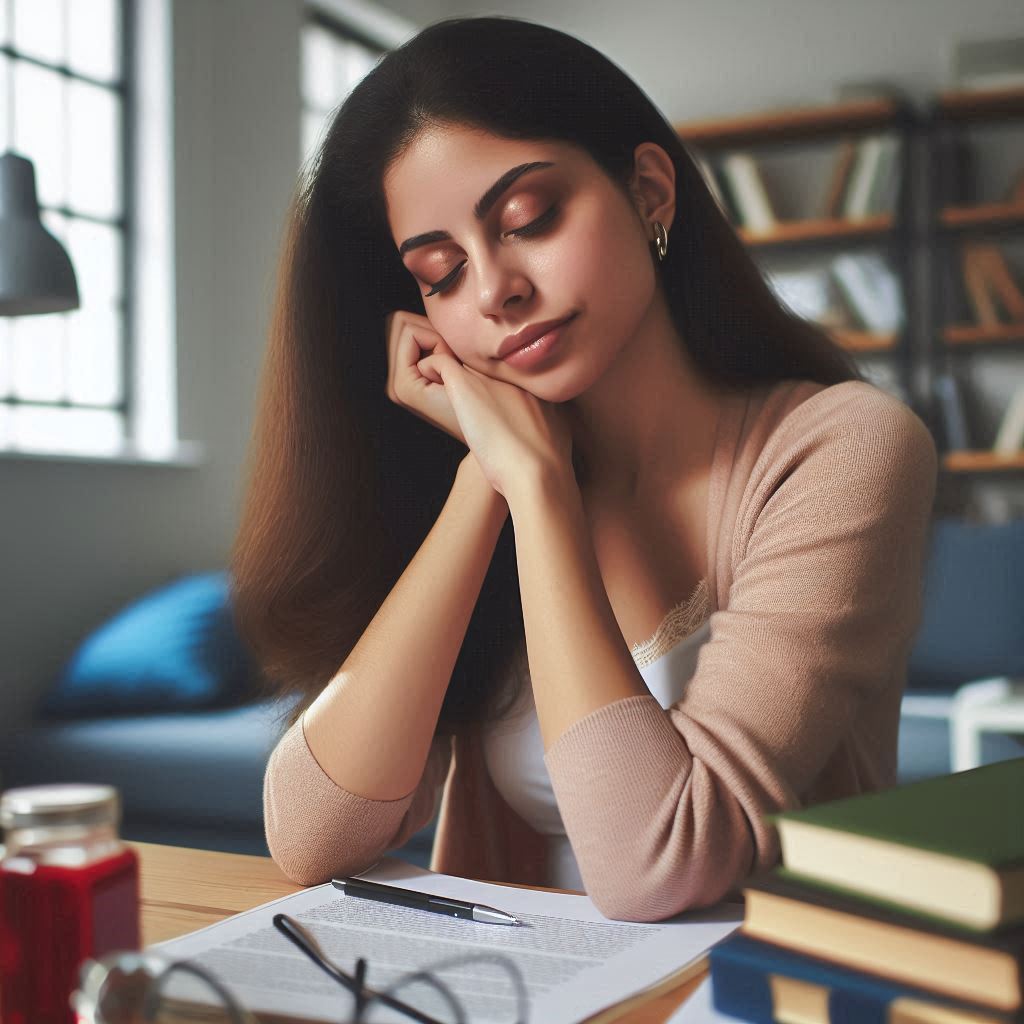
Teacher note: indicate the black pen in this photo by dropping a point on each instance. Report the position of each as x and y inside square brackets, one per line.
[421, 901]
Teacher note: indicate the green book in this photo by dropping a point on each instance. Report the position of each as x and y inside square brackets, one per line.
[949, 848]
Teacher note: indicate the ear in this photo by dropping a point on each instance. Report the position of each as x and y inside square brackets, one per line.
[653, 185]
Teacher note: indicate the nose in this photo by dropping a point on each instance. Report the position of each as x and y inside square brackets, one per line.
[501, 284]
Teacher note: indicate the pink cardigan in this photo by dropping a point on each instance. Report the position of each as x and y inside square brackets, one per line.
[819, 513]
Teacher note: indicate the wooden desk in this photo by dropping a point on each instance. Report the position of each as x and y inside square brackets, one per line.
[184, 889]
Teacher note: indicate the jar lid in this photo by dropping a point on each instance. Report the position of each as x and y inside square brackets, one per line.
[72, 803]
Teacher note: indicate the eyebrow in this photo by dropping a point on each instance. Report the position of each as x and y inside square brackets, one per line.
[483, 206]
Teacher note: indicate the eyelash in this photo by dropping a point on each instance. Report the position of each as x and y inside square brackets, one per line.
[534, 227]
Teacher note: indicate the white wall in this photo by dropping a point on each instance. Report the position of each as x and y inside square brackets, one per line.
[83, 539]
[705, 58]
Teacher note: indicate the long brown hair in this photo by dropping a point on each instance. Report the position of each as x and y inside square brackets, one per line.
[343, 485]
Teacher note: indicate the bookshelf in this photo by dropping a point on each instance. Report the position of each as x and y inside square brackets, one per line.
[978, 292]
[814, 246]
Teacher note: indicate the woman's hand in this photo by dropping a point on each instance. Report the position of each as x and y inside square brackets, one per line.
[515, 436]
[423, 394]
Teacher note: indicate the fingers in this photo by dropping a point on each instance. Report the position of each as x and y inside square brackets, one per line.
[435, 367]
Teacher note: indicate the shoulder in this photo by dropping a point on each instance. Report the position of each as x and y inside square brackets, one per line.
[848, 429]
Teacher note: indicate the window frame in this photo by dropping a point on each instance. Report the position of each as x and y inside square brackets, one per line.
[122, 87]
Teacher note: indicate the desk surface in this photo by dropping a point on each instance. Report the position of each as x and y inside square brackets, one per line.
[185, 889]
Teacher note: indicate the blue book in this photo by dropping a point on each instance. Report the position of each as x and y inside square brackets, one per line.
[762, 983]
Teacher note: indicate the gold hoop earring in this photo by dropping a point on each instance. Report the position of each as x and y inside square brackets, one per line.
[660, 240]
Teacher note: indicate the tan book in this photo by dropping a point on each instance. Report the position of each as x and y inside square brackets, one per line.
[847, 153]
[977, 289]
[1000, 278]
[916, 1011]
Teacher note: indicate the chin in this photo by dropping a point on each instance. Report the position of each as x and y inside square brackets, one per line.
[557, 390]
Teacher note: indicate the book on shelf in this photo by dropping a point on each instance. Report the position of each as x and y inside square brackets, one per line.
[872, 179]
[808, 294]
[1010, 438]
[761, 982]
[846, 154]
[948, 848]
[748, 192]
[977, 290]
[951, 408]
[952, 962]
[872, 291]
[996, 270]
[884, 191]
[989, 285]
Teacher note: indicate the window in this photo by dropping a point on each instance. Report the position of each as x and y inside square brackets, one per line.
[334, 59]
[63, 379]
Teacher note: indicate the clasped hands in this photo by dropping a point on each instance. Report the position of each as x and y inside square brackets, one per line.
[517, 438]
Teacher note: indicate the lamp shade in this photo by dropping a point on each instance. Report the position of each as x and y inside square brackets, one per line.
[36, 275]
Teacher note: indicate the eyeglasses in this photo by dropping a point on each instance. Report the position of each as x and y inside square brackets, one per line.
[126, 988]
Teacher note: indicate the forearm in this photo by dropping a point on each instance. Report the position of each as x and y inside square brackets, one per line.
[578, 658]
[370, 729]
[635, 801]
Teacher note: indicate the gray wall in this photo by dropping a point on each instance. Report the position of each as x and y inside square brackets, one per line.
[82, 539]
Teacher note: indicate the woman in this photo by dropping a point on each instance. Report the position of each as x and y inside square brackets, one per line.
[553, 506]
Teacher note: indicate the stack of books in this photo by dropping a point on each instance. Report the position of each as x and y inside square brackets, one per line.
[899, 907]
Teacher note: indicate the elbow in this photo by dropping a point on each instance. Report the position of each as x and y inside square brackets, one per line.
[663, 883]
[309, 853]
[305, 865]
[646, 903]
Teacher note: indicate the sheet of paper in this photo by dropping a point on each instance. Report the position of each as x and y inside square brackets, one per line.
[699, 1009]
[574, 961]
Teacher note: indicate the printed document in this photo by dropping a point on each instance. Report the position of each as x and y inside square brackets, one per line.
[573, 960]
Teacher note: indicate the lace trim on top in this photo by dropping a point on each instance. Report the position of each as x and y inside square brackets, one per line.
[678, 624]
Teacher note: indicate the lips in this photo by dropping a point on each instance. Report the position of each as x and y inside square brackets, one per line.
[529, 333]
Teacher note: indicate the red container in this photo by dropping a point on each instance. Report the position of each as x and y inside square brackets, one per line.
[69, 890]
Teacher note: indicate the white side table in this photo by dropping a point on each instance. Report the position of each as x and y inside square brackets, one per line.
[988, 705]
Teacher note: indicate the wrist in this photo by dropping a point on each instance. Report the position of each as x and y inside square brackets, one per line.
[544, 486]
[470, 479]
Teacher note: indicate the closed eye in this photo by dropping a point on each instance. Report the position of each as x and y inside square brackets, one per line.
[533, 228]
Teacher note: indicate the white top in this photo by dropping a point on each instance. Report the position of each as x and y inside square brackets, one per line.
[514, 752]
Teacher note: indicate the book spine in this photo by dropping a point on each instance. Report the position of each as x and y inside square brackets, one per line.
[874, 301]
[870, 152]
[976, 288]
[996, 272]
[845, 157]
[749, 191]
[1010, 437]
[885, 187]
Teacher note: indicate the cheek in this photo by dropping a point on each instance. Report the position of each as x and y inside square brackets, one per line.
[610, 263]
[453, 325]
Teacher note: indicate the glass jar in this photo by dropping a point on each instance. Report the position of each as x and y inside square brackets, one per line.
[69, 890]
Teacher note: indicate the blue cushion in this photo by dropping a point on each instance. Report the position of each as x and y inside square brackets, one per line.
[174, 649]
[973, 620]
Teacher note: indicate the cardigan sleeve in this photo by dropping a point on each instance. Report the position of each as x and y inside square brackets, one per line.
[316, 830]
[664, 808]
